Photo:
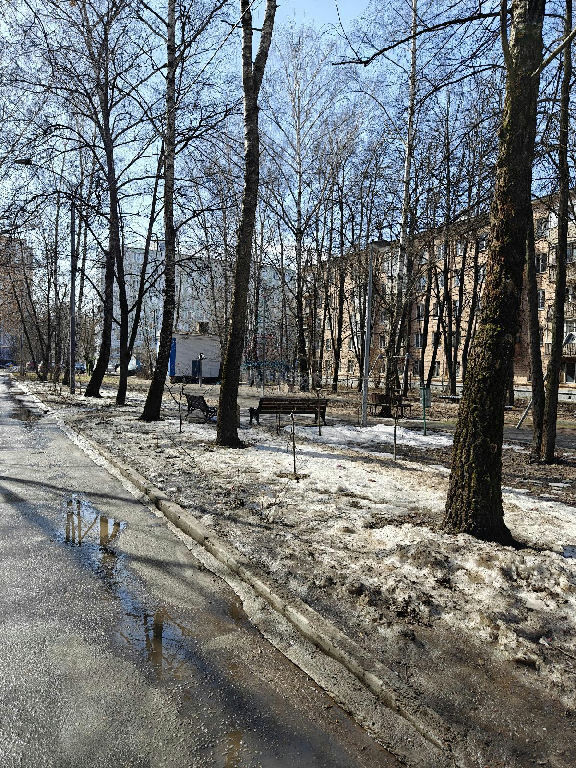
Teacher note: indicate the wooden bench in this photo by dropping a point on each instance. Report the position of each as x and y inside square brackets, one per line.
[197, 403]
[380, 404]
[279, 405]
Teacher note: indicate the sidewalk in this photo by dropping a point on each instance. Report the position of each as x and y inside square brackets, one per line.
[477, 640]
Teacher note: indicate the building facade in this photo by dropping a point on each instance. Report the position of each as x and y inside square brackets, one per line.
[426, 306]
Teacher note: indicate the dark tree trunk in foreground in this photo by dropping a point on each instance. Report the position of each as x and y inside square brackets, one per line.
[153, 403]
[555, 361]
[535, 353]
[93, 386]
[474, 503]
[252, 74]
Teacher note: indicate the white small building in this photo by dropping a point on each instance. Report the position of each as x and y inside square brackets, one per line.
[195, 357]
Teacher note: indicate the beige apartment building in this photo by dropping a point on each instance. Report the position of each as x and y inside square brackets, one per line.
[443, 299]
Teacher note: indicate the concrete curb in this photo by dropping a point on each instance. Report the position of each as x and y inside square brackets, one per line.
[379, 680]
[375, 676]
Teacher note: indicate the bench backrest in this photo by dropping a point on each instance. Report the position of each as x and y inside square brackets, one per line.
[296, 402]
[196, 402]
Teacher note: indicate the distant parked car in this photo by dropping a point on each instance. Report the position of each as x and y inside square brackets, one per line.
[80, 368]
[6, 363]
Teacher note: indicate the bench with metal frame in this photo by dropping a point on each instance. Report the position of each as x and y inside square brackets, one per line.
[288, 405]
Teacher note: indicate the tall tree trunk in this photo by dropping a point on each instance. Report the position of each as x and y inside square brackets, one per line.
[474, 503]
[153, 403]
[555, 361]
[252, 74]
[391, 380]
[114, 254]
[538, 395]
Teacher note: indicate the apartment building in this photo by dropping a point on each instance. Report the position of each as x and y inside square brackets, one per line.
[440, 304]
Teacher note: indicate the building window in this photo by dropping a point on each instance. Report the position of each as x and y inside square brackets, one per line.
[416, 367]
[418, 340]
[440, 281]
[570, 372]
[350, 366]
[541, 262]
[541, 228]
[437, 368]
[541, 299]
[382, 341]
[481, 273]
[440, 251]
[328, 344]
[420, 310]
[423, 257]
[436, 336]
[541, 334]
[455, 307]
[460, 247]
[435, 309]
[571, 253]
[457, 280]
[421, 284]
[482, 241]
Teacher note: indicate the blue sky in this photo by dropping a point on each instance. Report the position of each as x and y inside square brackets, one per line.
[320, 12]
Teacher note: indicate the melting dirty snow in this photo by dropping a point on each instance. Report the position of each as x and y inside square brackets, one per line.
[357, 534]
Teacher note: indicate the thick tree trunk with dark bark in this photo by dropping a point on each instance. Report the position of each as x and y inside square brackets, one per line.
[114, 254]
[474, 503]
[93, 386]
[555, 361]
[252, 74]
[534, 342]
[153, 403]
[339, 324]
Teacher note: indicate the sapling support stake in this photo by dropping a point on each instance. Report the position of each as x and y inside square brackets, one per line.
[294, 445]
[395, 426]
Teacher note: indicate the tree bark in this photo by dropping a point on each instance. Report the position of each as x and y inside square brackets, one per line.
[538, 395]
[474, 503]
[153, 404]
[252, 74]
[555, 361]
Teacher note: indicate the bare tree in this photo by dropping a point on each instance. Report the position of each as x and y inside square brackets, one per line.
[252, 75]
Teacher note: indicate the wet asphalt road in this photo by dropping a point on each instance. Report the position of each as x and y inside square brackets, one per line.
[119, 649]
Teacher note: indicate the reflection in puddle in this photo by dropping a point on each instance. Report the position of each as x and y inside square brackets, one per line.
[150, 630]
[19, 412]
[234, 745]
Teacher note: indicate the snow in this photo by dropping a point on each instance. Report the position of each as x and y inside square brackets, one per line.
[358, 535]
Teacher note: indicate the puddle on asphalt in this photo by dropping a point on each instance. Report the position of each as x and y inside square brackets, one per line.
[19, 412]
[150, 630]
[168, 646]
